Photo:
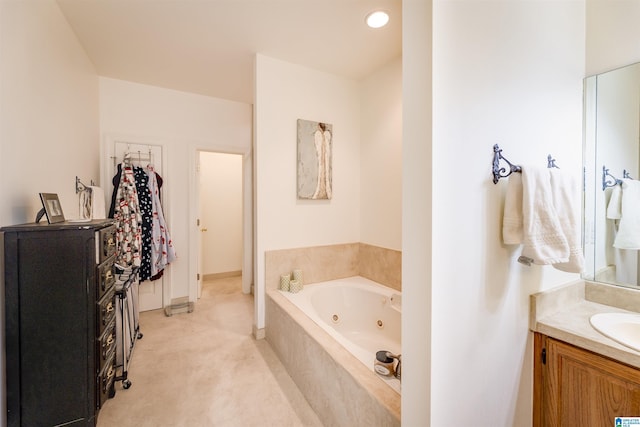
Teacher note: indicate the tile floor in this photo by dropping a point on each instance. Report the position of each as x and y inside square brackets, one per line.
[205, 369]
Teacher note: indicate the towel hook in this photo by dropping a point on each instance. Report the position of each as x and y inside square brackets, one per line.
[551, 162]
[499, 172]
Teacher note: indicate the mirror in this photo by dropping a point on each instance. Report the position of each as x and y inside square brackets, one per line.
[611, 161]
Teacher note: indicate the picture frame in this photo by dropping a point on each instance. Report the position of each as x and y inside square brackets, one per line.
[52, 208]
[314, 160]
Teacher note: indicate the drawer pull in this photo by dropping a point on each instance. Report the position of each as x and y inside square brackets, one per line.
[106, 381]
[109, 308]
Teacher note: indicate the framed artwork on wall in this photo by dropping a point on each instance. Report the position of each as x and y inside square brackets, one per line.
[315, 141]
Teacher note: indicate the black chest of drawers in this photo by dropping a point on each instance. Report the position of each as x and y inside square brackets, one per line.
[59, 321]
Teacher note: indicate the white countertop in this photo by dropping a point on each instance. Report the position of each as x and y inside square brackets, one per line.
[563, 313]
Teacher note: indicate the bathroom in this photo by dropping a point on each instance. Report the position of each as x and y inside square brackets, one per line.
[473, 74]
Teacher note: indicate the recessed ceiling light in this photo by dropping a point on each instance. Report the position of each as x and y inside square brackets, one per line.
[377, 19]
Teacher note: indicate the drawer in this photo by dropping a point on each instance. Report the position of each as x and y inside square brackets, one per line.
[106, 310]
[106, 277]
[105, 380]
[106, 242]
[106, 345]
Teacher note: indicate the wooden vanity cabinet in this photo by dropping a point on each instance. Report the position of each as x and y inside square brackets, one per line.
[576, 387]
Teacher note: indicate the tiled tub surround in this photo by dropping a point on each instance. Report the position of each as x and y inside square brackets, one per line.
[322, 263]
[362, 315]
[564, 312]
[339, 387]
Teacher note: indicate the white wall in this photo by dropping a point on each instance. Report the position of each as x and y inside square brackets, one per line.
[182, 123]
[221, 212]
[284, 93]
[381, 158]
[48, 111]
[48, 118]
[417, 229]
[509, 73]
[612, 34]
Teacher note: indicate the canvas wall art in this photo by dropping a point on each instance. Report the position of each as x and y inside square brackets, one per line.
[314, 160]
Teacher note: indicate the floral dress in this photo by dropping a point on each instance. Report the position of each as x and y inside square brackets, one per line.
[128, 221]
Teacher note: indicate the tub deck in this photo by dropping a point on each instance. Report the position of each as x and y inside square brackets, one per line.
[338, 386]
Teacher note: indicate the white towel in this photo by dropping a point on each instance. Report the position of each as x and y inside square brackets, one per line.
[626, 261]
[566, 200]
[544, 239]
[614, 208]
[512, 219]
[628, 235]
[98, 207]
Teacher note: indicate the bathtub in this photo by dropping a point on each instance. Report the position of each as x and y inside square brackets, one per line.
[327, 336]
[360, 314]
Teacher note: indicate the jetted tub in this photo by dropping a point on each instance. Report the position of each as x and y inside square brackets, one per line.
[326, 337]
[359, 313]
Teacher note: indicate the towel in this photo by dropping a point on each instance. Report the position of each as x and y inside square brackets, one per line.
[512, 232]
[614, 208]
[626, 261]
[628, 235]
[566, 201]
[544, 239]
[85, 204]
[98, 210]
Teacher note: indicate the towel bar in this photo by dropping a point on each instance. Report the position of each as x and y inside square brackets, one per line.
[499, 172]
[80, 185]
[609, 180]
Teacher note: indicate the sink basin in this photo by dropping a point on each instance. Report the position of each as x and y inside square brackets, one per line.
[621, 327]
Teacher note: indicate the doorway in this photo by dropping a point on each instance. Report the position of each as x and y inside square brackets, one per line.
[220, 193]
[222, 239]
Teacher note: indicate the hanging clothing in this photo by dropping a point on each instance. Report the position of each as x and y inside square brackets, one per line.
[146, 212]
[116, 184]
[162, 250]
[128, 221]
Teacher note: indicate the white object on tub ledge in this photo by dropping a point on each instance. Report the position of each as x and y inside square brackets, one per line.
[362, 315]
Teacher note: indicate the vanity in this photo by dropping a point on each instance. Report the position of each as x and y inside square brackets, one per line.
[587, 333]
[581, 376]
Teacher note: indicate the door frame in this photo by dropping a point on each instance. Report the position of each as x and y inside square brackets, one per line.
[194, 212]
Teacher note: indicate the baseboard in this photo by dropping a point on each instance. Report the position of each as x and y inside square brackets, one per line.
[223, 275]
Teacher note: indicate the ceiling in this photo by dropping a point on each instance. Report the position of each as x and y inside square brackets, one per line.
[208, 46]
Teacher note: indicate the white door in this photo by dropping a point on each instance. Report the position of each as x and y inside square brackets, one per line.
[150, 293]
[201, 226]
